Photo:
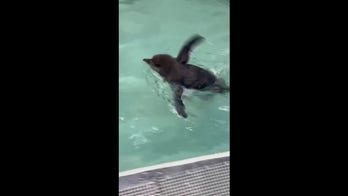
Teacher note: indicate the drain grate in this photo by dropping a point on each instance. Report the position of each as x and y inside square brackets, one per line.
[204, 177]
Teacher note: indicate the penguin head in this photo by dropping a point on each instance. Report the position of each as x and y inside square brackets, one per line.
[162, 63]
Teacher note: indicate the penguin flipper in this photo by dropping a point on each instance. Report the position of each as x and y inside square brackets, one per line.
[179, 105]
[184, 54]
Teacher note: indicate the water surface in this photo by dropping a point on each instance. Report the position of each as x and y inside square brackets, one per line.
[150, 132]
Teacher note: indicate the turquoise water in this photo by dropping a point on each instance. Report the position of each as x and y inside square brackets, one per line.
[150, 132]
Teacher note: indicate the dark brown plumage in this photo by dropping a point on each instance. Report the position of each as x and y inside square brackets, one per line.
[179, 74]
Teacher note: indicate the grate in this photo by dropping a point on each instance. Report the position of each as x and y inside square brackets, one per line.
[204, 177]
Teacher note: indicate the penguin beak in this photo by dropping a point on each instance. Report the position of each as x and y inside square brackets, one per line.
[148, 61]
[151, 63]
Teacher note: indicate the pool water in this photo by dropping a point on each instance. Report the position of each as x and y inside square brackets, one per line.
[150, 131]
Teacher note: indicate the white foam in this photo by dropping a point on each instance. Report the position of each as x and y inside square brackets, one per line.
[225, 108]
[189, 128]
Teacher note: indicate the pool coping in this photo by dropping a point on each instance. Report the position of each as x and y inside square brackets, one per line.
[144, 175]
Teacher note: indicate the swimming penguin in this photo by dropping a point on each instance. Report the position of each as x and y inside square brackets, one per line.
[179, 74]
